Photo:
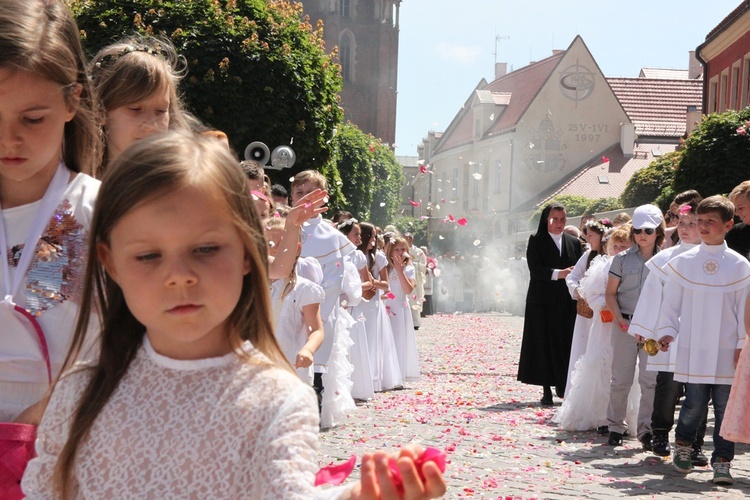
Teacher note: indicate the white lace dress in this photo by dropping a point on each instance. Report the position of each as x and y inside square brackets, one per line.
[402, 325]
[585, 406]
[211, 428]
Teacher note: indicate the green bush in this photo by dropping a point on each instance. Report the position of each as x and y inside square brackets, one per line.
[716, 157]
[354, 158]
[647, 184]
[256, 69]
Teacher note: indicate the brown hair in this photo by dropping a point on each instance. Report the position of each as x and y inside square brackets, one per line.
[310, 176]
[253, 170]
[135, 68]
[660, 234]
[621, 219]
[43, 39]
[367, 230]
[718, 204]
[154, 166]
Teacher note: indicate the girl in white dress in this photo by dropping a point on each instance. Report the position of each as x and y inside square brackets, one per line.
[295, 302]
[358, 282]
[585, 406]
[594, 231]
[386, 372]
[190, 394]
[401, 281]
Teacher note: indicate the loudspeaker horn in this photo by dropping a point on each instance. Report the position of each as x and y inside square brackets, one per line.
[257, 151]
[282, 157]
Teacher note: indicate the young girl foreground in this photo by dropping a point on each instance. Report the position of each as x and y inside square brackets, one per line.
[189, 373]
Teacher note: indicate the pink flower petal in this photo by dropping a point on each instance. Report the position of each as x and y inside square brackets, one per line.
[335, 474]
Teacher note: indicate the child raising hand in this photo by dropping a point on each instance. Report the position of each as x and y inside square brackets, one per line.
[190, 393]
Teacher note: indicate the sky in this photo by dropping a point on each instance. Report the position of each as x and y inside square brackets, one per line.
[447, 46]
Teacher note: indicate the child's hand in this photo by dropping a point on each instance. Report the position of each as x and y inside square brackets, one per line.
[664, 342]
[639, 338]
[304, 359]
[377, 481]
[623, 324]
[307, 207]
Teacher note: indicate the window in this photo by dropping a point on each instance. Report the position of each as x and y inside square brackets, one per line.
[344, 8]
[713, 95]
[734, 96]
[347, 54]
[467, 176]
[474, 182]
[454, 184]
[745, 82]
[723, 92]
[498, 176]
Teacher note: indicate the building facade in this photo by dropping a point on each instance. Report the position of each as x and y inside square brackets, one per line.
[725, 56]
[366, 34]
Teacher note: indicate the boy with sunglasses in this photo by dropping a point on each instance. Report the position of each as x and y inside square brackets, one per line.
[626, 278]
[704, 298]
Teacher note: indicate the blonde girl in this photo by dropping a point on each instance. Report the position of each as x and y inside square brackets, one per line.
[48, 144]
[136, 80]
[296, 309]
[401, 279]
[190, 393]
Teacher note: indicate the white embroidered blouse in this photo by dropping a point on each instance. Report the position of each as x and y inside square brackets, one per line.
[211, 428]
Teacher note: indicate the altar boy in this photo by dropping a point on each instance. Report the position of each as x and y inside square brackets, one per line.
[703, 305]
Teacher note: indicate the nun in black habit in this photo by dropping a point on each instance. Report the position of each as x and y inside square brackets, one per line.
[550, 310]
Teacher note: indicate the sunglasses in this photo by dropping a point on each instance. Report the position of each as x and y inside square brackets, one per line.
[649, 231]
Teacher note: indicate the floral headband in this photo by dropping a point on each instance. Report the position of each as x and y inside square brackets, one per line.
[595, 224]
[155, 50]
[347, 222]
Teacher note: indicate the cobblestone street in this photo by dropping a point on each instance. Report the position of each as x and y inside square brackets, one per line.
[499, 440]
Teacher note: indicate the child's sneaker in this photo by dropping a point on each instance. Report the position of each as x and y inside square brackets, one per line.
[699, 458]
[682, 459]
[721, 471]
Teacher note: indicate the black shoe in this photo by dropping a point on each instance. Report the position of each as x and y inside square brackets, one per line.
[697, 457]
[615, 439]
[547, 401]
[660, 444]
[560, 392]
[646, 442]
[602, 430]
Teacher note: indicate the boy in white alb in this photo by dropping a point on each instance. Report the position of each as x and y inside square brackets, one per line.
[643, 326]
[329, 246]
[704, 299]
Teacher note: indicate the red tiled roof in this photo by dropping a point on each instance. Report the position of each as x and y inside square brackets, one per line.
[657, 107]
[729, 19]
[586, 182]
[664, 73]
[523, 85]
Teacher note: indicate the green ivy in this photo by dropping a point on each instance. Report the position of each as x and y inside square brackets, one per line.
[257, 69]
[388, 179]
[414, 225]
[576, 205]
[715, 158]
[354, 158]
[647, 184]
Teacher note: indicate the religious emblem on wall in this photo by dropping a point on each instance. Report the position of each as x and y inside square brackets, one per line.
[577, 82]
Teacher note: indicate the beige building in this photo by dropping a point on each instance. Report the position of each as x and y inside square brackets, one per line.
[555, 127]
[515, 139]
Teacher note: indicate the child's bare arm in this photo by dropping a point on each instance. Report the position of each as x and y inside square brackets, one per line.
[309, 206]
[311, 315]
[610, 296]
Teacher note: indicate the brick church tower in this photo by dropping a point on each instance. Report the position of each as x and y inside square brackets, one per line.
[366, 33]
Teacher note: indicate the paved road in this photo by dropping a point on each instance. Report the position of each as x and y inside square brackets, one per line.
[500, 442]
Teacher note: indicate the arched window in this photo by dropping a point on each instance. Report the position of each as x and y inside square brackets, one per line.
[347, 55]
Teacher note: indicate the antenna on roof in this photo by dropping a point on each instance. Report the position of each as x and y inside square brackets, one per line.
[497, 39]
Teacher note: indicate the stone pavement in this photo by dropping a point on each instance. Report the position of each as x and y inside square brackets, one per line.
[500, 442]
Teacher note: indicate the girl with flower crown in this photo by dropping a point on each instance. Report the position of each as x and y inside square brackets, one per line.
[593, 230]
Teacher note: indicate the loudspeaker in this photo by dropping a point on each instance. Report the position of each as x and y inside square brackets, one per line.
[282, 157]
[257, 151]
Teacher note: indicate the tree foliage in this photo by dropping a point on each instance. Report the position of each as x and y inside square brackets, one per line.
[716, 156]
[354, 158]
[414, 225]
[257, 69]
[648, 183]
[388, 178]
[576, 205]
